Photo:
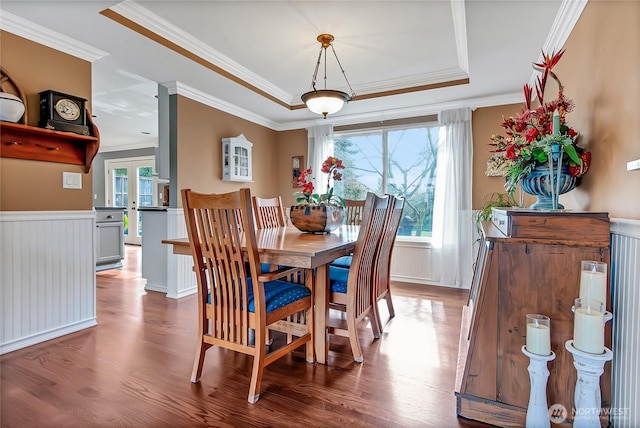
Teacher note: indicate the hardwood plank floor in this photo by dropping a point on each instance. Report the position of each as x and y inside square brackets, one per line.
[133, 369]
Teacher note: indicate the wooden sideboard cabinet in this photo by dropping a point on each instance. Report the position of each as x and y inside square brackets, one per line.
[528, 262]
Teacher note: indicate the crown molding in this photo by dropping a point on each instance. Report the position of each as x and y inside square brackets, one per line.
[157, 25]
[410, 82]
[403, 113]
[39, 34]
[211, 101]
[178, 88]
[141, 20]
[460, 31]
[561, 28]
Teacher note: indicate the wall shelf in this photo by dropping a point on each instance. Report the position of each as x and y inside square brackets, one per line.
[30, 142]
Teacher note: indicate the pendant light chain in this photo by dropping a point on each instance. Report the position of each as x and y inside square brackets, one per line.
[353, 94]
[315, 73]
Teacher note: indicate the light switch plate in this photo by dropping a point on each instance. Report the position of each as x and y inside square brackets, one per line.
[633, 165]
[71, 180]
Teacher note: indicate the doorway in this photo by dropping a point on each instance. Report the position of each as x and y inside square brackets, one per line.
[130, 184]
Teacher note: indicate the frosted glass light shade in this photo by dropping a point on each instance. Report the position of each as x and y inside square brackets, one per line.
[325, 101]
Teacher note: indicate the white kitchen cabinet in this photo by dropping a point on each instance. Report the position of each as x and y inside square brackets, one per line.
[109, 238]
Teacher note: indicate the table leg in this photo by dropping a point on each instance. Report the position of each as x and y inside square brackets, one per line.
[321, 300]
[311, 347]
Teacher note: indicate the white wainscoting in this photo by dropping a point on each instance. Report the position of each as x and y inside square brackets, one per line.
[47, 275]
[625, 288]
[411, 262]
[164, 271]
[181, 278]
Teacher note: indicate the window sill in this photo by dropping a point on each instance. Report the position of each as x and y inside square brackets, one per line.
[412, 241]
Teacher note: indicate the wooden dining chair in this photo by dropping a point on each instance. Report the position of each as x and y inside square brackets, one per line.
[353, 211]
[233, 300]
[352, 289]
[382, 265]
[352, 216]
[269, 212]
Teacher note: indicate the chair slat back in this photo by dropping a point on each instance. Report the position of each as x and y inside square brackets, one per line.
[269, 212]
[360, 281]
[387, 241]
[216, 239]
[353, 211]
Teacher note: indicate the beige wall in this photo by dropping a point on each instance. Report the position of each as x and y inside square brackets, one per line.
[27, 185]
[600, 71]
[290, 144]
[200, 133]
[487, 121]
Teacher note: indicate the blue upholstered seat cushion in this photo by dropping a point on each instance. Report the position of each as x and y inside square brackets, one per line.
[338, 278]
[342, 262]
[277, 294]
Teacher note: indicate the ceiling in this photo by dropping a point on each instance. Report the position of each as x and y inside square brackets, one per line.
[254, 59]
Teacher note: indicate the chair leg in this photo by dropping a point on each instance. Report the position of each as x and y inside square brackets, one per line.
[258, 368]
[201, 348]
[392, 312]
[354, 340]
[309, 347]
[375, 320]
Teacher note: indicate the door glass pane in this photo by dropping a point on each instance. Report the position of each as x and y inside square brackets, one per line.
[121, 193]
[145, 192]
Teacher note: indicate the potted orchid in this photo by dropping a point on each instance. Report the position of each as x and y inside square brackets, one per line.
[318, 213]
[330, 166]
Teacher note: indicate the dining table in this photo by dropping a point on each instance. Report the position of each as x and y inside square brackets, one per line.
[287, 246]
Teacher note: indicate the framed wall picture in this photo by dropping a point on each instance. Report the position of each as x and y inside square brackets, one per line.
[297, 164]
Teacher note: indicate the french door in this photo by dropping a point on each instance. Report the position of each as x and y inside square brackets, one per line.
[130, 184]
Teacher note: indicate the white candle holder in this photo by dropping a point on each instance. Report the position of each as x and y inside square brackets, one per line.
[587, 396]
[538, 409]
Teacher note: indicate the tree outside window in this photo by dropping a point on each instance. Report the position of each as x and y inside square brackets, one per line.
[397, 161]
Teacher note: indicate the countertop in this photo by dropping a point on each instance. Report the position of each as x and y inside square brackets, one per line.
[152, 208]
[108, 208]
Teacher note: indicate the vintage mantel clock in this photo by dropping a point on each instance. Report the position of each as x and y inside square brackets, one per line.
[63, 112]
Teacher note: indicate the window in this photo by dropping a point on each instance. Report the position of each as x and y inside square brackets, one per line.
[398, 161]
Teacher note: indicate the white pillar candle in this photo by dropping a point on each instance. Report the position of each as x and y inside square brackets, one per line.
[556, 123]
[593, 281]
[538, 334]
[588, 326]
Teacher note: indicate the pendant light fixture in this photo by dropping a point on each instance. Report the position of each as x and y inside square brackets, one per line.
[326, 101]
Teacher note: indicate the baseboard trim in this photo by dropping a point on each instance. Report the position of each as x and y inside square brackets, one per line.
[34, 339]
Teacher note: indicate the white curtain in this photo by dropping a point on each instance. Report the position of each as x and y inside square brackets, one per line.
[320, 148]
[452, 217]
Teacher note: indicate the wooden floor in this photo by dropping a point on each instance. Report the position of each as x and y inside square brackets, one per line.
[133, 369]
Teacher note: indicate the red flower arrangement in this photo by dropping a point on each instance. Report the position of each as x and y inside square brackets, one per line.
[530, 135]
[306, 197]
